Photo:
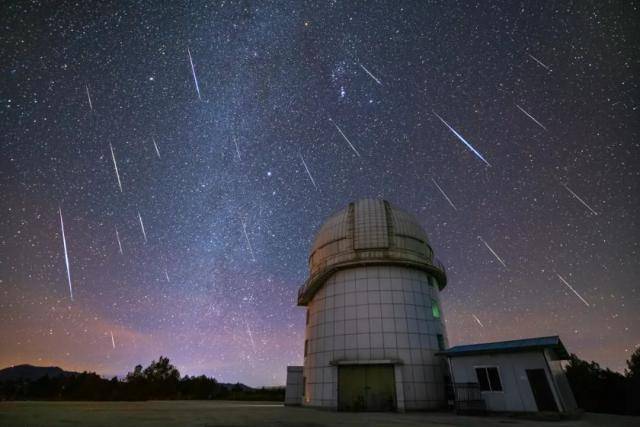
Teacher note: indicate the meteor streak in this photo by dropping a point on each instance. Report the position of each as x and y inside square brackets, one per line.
[444, 194]
[572, 290]
[477, 320]
[115, 166]
[493, 252]
[531, 117]
[371, 75]
[118, 239]
[113, 341]
[579, 199]
[462, 139]
[246, 236]
[193, 71]
[235, 141]
[539, 62]
[89, 97]
[155, 146]
[345, 138]
[308, 173]
[253, 344]
[144, 234]
[166, 274]
[66, 254]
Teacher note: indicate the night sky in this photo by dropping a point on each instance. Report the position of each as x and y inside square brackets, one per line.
[543, 199]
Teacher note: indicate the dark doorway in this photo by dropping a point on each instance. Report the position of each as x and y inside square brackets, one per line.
[541, 390]
[366, 388]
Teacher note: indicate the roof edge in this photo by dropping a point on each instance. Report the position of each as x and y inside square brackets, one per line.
[510, 346]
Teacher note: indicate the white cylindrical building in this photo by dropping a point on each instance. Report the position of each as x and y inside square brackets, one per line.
[374, 321]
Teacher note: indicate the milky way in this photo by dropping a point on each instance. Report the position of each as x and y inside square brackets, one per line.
[244, 101]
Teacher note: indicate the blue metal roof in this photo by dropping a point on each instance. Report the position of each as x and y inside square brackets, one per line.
[526, 344]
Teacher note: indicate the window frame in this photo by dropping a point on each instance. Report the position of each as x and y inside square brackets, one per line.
[486, 369]
[433, 282]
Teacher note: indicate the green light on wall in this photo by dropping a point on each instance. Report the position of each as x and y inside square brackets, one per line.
[435, 309]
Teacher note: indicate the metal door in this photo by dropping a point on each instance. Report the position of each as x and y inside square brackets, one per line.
[541, 391]
[366, 388]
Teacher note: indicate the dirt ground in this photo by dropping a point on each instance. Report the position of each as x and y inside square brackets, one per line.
[226, 414]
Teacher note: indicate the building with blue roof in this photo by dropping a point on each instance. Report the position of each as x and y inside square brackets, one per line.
[522, 375]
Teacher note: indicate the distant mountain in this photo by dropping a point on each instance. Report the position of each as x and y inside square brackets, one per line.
[30, 372]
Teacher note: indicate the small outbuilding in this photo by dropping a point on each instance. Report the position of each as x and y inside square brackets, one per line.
[293, 391]
[523, 375]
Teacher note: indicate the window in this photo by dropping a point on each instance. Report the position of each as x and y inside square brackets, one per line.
[306, 347]
[494, 379]
[433, 282]
[440, 342]
[489, 379]
[307, 316]
[435, 309]
[304, 385]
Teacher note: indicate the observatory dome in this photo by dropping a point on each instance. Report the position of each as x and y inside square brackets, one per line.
[369, 232]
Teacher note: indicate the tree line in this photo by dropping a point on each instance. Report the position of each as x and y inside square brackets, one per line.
[595, 389]
[603, 390]
[158, 381]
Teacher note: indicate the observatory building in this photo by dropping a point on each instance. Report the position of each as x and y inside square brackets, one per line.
[373, 321]
[375, 338]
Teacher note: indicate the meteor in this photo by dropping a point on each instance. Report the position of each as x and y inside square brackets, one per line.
[89, 97]
[493, 252]
[371, 75]
[572, 290]
[155, 146]
[579, 199]
[118, 239]
[477, 320]
[235, 141]
[113, 341]
[144, 234]
[308, 173]
[345, 138]
[539, 62]
[462, 139]
[531, 117]
[193, 71]
[66, 254]
[166, 274]
[246, 236]
[444, 194]
[253, 344]
[115, 166]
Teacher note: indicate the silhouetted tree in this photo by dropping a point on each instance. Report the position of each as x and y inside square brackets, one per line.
[161, 379]
[633, 382]
[633, 365]
[597, 389]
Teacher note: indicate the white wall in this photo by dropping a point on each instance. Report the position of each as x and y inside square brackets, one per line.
[293, 392]
[516, 395]
[376, 313]
[562, 383]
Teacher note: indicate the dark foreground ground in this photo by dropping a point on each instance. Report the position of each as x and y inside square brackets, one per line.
[225, 413]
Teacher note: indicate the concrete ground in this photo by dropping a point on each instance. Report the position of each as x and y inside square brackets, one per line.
[227, 414]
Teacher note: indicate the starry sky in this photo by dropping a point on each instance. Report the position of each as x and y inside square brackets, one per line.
[509, 129]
